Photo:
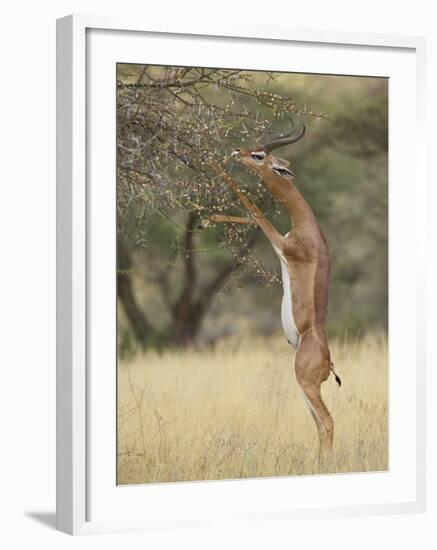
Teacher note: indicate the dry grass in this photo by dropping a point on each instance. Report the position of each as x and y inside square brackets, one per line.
[236, 411]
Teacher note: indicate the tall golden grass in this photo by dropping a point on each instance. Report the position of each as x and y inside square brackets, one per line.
[236, 411]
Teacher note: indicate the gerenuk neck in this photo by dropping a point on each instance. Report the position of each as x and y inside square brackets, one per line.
[287, 193]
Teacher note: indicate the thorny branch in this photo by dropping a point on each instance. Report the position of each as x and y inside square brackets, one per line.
[172, 124]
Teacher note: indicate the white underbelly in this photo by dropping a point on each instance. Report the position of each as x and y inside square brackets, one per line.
[287, 319]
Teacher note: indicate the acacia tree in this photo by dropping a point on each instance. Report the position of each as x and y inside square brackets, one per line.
[171, 121]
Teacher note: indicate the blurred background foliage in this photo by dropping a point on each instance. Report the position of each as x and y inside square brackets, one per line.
[180, 284]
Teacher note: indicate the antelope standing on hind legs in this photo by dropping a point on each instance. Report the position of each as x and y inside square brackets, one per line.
[305, 265]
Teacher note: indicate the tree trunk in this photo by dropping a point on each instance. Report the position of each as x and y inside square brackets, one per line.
[187, 320]
[189, 309]
[138, 321]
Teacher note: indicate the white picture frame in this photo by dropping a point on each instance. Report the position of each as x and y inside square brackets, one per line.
[77, 366]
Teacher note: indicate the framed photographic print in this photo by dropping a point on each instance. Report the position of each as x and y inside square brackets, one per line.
[235, 336]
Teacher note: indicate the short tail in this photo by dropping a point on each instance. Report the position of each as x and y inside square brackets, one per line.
[337, 378]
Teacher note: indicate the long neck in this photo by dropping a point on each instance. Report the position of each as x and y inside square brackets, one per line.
[299, 210]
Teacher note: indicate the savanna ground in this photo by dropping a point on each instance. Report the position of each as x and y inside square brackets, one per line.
[235, 411]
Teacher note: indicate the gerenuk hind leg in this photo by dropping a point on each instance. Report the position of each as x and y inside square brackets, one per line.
[312, 369]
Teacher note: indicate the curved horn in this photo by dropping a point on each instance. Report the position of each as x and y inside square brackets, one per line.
[284, 139]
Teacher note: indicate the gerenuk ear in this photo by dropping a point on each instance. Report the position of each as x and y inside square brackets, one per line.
[283, 161]
[282, 171]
